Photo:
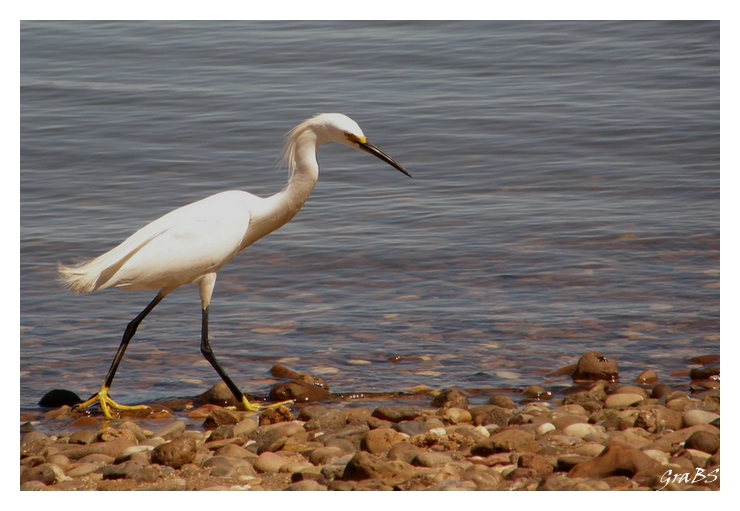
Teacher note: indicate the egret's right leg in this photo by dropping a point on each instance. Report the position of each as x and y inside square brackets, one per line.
[102, 396]
[205, 286]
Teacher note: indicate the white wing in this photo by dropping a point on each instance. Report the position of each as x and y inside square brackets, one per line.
[173, 250]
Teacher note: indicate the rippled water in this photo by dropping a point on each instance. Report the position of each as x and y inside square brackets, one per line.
[565, 199]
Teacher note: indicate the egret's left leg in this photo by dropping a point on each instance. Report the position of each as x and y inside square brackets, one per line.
[102, 397]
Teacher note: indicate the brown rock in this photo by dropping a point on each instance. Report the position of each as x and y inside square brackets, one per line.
[594, 366]
[703, 441]
[672, 442]
[380, 441]
[47, 473]
[503, 402]
[661, 390]
[33, 443]
[311, 412]
[563, 421]
[594, 392]
[510, 440]
[484, 478]
[235, 451]
[537, 462]
[397, 413]
[298, 391]
[364, 465]
[451, 398]
[496, 415]
[275, 416]
[271, 442]
[557, 482]
[430, 459]
[175, 453]
[83, 437]
[617, 460]
[269, 462]
[404, 451]
[306, 485]
[325, 455]
[657, 418]
[229, 467]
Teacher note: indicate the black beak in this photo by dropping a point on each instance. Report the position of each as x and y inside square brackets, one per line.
[371, 149]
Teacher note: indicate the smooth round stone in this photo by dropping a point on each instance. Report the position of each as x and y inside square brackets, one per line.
[545, 428]
[269, 462]
[458, 415]
[621, 401]
[324, 455]
[698, 417]
[579, 430]
[410, 428]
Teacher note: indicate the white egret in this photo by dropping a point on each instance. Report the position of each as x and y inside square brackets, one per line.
[191, 244]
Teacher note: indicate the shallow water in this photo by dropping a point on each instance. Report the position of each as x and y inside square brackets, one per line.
[565, 199]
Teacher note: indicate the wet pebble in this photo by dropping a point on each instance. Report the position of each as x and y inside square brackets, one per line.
[698, 417]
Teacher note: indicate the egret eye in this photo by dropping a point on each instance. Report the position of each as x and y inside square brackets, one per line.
[354, 138]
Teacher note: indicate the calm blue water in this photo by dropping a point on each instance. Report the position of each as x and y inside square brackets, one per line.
[565, 199]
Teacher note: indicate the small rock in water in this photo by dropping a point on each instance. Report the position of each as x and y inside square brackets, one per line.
[594, 366]
[451, 398]
[298, 391]
[59, 397]
[647, 377]
[219, 395]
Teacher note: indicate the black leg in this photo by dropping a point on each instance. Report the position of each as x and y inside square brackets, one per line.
[127, 336]
[205, 349]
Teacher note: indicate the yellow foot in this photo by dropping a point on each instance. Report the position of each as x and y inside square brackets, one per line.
[256, 408]
[106, 403]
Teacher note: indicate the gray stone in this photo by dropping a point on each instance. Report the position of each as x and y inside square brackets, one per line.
[698, 417]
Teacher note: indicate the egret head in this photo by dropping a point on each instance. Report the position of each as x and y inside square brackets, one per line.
[339, 128]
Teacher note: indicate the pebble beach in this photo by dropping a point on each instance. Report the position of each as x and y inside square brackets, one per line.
[601, 434]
